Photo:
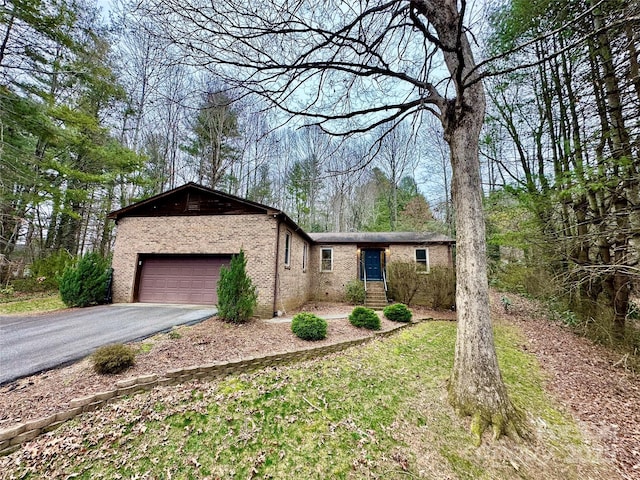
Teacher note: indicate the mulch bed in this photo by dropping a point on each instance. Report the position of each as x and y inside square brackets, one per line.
[49, 392]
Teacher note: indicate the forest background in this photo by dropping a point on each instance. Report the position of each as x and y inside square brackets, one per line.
[96, 112]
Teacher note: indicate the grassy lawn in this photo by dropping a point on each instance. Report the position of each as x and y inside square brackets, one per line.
[46, 302]
[377, 411]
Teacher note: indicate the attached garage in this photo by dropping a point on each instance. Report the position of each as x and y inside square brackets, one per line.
[169, 248]
[186, 279]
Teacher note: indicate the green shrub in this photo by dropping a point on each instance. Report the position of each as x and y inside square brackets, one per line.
[237, 297]
[354, 292]
[398, 312]
[365, 318]
[7, 290]
[308, 326]
[524, 279]
[113, 358]
[86, 283]
[46, 271]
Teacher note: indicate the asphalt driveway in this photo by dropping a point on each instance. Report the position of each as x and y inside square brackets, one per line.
[31, 344]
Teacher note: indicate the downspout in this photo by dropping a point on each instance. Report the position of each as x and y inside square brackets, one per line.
[277, 262]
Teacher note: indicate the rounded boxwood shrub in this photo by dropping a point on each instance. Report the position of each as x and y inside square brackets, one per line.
[308, 326]
[365, 317]
[398, 312]
[114, 358]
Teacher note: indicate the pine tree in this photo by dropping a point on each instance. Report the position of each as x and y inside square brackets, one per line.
[86, 283]
[237, 297]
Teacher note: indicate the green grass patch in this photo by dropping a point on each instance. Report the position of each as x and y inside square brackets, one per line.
[174, 335]
[377, 411]
[36, 304]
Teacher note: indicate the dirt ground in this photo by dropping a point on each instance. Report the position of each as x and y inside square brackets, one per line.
[591, 382]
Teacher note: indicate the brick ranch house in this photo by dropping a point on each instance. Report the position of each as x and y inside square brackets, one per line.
[169, 249]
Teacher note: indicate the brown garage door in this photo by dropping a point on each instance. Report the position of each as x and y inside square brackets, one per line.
[180, 279]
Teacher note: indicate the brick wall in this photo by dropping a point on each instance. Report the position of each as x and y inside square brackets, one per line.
[223, 234]
[294, 282]
[330, 286]
[439, 255]
[256, 234]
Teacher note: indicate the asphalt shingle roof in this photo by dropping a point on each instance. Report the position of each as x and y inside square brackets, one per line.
[380, 237]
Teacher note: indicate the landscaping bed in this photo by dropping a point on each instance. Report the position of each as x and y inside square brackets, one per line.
[210, 341]
[373, 411]
[588, 381]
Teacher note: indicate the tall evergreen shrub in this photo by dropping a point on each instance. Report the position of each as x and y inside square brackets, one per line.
[85, 284]
[237, 297]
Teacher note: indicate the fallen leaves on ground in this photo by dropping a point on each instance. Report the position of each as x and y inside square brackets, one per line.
[589, 380]
[586, 378]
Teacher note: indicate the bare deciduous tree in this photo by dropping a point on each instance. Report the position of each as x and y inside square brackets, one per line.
[351, 67]
[397, 158]
[569, 125]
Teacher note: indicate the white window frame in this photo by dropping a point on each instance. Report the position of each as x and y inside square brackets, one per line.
[420, 262]
[330, 249]
[288, 242]
[305, 256]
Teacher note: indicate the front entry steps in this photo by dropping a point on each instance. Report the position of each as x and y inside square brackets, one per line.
[375, 296]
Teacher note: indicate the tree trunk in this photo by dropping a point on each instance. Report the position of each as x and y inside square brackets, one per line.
[623, 168]
[5, 41]
[476, 387]
[634, 67]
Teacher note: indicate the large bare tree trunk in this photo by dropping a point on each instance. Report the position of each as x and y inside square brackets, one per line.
[476, 387]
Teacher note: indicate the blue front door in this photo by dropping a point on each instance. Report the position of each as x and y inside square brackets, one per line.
[373, 264]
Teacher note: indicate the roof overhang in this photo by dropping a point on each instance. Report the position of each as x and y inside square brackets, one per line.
[192, 199]
[381, 239]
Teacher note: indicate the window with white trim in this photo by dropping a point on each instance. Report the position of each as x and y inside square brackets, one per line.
[287, 249]
[422, 260]
[326, 259]
[305, 254]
